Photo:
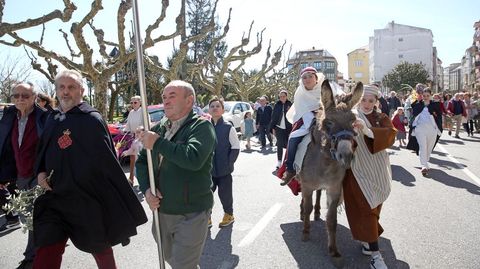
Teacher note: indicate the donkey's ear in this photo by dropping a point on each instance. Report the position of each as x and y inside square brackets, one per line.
[328, 100]
[356, 95]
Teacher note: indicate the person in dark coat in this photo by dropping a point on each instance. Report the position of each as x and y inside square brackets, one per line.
[426, 128]
[262, 121]
[20, 129]
[45, 101]
[383, 105]
[88, 199]
[280, 126]
[393, 103]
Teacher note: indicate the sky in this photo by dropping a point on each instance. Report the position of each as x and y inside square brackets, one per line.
[339, 26]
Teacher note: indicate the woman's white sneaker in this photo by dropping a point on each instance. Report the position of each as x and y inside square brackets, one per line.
[377, 262]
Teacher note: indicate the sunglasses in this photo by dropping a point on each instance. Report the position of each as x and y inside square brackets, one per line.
[23, 95]
[135, 102]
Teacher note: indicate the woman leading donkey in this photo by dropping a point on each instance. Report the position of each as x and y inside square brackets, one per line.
[367, 184]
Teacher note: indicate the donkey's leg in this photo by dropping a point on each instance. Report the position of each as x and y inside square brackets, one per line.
[316, 213]
[302, 213]
[334, 197]
[307, 210]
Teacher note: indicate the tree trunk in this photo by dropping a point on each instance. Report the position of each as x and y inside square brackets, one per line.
[100, 88]
[113, 105]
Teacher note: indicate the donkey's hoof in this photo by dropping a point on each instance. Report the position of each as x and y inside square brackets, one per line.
[305, 237]
[338, 262]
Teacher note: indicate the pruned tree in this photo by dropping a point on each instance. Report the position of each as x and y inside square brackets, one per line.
[405, 73]
[12, 71]
[82, 58]
[245, 84]
[46, 87]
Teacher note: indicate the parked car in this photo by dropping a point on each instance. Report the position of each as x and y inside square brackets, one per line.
[156, 113]
[234, 112]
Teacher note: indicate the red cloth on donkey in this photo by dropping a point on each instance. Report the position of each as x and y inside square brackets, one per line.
[294, 185]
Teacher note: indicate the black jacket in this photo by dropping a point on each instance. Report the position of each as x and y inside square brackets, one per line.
[383, 105]
[279, 109]
[264, 116]
[393, 103]
[91, 201]
[8, 170]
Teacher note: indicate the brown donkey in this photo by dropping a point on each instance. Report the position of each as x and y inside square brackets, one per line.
[328, 156]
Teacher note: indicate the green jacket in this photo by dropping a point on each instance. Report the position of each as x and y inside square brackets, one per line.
[184, 177]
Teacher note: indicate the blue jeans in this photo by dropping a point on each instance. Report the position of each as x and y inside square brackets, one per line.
[291, 151]
[224, 184]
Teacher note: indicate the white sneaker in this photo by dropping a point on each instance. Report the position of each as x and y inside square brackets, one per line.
[377, 262]
[366, 249]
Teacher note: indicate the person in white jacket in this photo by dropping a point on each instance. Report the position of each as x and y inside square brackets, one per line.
[306, 103]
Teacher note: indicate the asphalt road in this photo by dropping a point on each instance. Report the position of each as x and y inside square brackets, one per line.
[429, 222]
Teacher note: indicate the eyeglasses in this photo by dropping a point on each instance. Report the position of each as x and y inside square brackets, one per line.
[23, 95]
[134, 102]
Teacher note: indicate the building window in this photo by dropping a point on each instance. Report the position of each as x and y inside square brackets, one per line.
[358, 63]
[289, 66]
[330, 65]
[303, 65]
[400, 56]
[400, 39]
[358, 75]
[317, 65]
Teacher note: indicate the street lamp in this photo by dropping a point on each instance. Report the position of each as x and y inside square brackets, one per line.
[350, 84]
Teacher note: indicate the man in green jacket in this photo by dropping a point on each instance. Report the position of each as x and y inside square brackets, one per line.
[182, 147]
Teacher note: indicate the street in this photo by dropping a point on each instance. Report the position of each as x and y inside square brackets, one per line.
[429, 222]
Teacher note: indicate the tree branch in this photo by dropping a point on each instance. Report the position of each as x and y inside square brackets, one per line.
[123, 8]
[77, 32]
[72, 53]
[43, 52]
[65, 16]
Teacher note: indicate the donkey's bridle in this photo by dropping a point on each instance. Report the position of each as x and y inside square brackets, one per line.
[341, 135]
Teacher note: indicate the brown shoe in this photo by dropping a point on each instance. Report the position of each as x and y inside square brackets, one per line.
[287, 177]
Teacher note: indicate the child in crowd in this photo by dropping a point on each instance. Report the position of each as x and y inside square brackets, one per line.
[399, 122]
[248, 128]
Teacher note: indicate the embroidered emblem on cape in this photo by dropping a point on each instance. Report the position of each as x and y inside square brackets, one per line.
[65, 141]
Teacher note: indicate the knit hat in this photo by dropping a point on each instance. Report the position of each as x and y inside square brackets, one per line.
[371, 89]
[309, 69]
[420, 87]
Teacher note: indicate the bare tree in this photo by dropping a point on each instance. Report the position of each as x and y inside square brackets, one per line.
[12, 71]
[81, 58]
[47, 87]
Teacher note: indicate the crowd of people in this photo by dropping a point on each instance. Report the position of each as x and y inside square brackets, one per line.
[67, 150]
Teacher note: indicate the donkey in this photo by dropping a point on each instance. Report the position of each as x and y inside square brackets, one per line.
[328, 156]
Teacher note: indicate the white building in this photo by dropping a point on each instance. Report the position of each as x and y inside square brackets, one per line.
[446, 78]
[399, 43]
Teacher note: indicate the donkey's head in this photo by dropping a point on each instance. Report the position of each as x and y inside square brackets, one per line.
[336, 123]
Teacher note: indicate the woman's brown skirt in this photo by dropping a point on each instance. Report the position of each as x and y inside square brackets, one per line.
[362, 219]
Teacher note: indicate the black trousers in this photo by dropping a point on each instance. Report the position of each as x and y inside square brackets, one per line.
[224, 184]
[262, 132]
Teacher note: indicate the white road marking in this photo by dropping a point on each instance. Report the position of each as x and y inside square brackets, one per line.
[459, 165]
[258, 228]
